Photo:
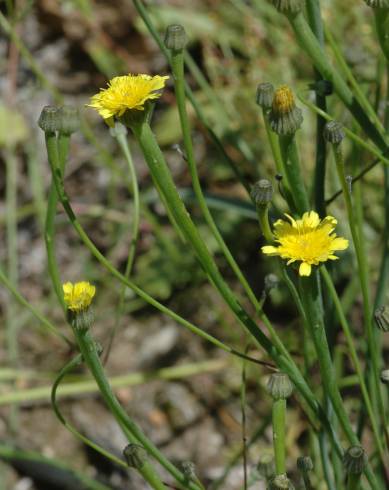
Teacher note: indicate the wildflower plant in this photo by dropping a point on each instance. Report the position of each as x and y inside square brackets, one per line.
[298, 238]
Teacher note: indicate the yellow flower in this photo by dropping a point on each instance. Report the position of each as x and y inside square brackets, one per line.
[126, 92]
[78, 296]
[308, 240]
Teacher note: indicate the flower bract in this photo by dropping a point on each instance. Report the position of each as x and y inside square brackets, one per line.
[308, 240]
[78, 296]
[128, 92]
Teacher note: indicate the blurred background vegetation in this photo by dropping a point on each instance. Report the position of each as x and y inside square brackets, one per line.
[63, 52]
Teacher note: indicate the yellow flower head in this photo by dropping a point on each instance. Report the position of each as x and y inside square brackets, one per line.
[308, 240]
[126, 92]
[283, 100]
[78, 296]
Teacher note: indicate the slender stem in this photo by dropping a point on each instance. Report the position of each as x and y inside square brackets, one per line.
[123, 143]
[177, 64]
[134, 434]
[373, 366]
[11, 164]
[316, 22]
[355, 359]
[263, 218]
[312, 299]
[63, 372]
[51, 213]
[353, 481]
[279, 429]
[382, 25]
[244, 428]
[44, 322]
[292, 168]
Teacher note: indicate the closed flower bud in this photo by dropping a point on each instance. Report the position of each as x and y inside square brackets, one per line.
[69, 119]
[281, 482]
[285, 118]
[175, 37]
[381, 316]
[262, 192]
[334, 132]
[135, 455]
[271, 282]
[279, 386]
[288, 6]
[354, 460]
[265, 466]
[380, 4]
[50, 119]
[384, 376]
[304, 464]
[265, 94]
[118, 129]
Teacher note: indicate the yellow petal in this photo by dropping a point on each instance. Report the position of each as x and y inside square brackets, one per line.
[339, 243]
[305, 269]
[270, 250]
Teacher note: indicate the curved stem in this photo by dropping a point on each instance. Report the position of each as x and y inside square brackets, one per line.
[63, 372]
[122, 141]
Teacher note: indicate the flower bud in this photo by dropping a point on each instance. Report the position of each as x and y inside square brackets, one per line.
[354, 460]
[118, 129]
[288, 6]
[279, 386]
[384, 376]
[135, 456]
[334, 132]
[285, 118]
[377, 4]
[271, 282]
[50, 119]
[281, 482]
[265, 94]
[265, 466]
[262, 192]
[175, 37]
[69, 119]
[304, 464]
[78, 298]
[381, 316]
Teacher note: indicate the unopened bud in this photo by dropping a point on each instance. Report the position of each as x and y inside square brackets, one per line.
[262, 192]
[285, 118]
[175, 37]
[334, 132]
[50, 119]
[381, 316]
[281, 482]
[377, 4]
[288, 6]
[265, 94]
[279, 386]
[69, 119]
[354, 460]
[271, 282]
[304, 464]
[135, 455]
[384, 376]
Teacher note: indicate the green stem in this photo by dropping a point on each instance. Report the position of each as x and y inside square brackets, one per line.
[123, 143]
[263, 218]
[353, 482]
[52, 201]
[373, 365]
[279, 428]
[63, 372]
[310, 288]
[355, 359]
[292, 168]
[382, 25]
[316, 23]
[134, 434]
[177, 64]
[45, 323]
